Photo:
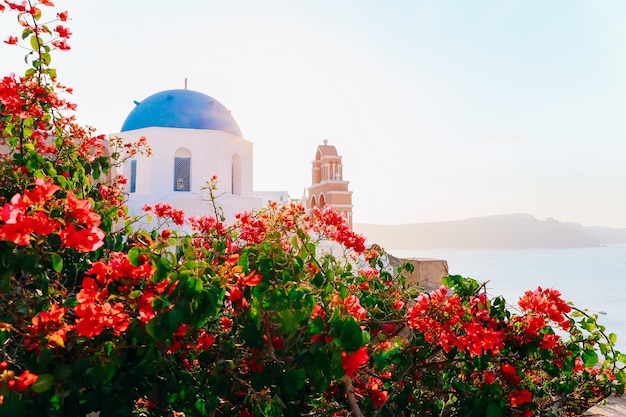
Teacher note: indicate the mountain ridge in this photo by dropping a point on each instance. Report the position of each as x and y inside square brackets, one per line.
[518, 230]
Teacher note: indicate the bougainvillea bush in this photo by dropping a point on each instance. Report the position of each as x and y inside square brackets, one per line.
[283, 313]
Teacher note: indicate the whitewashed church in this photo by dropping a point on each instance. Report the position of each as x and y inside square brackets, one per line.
[194, 137]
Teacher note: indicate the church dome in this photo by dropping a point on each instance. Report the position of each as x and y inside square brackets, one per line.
[184, 109]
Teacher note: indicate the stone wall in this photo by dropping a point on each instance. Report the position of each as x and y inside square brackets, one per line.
[427, 273]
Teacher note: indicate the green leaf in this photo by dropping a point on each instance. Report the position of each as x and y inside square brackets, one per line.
[292, 381]
[31, 262]
[590, 358]
[44, 357]
[252, 335]
[101, 374]
[133, 256]
[57, 262]
[588, 325]
[62, 371]
[494, 410]
[46, 58]
[157, 330]
[175, 318]
[243, 262]
[37, 13]
[318, 280]
[288, 322]
[26, 33]
[13, 405]
[35, 41]
[43, 383]
[351, 334]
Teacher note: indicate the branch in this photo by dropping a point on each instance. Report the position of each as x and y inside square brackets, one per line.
[349, 388]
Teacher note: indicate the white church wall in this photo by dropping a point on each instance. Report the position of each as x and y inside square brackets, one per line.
[211, 153]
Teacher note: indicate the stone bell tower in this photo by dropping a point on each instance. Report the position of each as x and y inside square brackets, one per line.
[328, 187]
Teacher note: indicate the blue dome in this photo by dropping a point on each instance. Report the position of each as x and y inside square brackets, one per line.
[181, 109]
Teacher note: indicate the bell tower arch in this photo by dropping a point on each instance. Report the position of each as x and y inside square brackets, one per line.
[328, 187]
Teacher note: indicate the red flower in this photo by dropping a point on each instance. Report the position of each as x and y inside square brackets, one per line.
[378, 396]
[278, 342]
[100, 270]
[205, 341]
[252, 279]
[510, 373]
[62, 16]
[206, 224]
[80, 210]
[42, 192]
[352, 362]
[334, 226]
[318, 312]
[165, 210]
[11, 41]
[25, 380]
[548, 303]
[520, 397]
[388, 328]
[61, 44]
[63, 31]
[234, 294]
[227, 323]
[146, 312]
[489, 377]
[85, 240]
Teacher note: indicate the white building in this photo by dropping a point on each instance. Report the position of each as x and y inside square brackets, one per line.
[193, 137]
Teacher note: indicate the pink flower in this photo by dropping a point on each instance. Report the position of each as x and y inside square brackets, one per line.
[353, 305]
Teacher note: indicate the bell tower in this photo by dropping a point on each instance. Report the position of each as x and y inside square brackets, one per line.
[328, 187]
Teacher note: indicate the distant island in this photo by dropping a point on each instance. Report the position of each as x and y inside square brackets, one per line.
[500, 231]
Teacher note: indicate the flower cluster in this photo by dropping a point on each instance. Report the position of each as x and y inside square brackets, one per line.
[252, 318]
[449, 323]
[11, 381]
[331, 224]
[31, 215]
[166, 212]
[547, 303]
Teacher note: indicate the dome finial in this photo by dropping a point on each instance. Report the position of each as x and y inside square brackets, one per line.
[325, 142]
[185, 83]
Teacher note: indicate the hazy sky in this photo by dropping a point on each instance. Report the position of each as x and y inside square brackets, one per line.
[442, 110]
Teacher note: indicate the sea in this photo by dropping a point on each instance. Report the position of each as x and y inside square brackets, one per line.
[591, 278]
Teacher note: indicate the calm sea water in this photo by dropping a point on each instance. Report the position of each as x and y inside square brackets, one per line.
[592, 278]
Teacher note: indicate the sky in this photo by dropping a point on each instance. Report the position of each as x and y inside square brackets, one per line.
[442, 110]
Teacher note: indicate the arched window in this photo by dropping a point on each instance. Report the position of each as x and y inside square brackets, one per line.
[322, 201]
[182, 170]
[317, 168]
[133, 175]
[236, 175]
[313, 201]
